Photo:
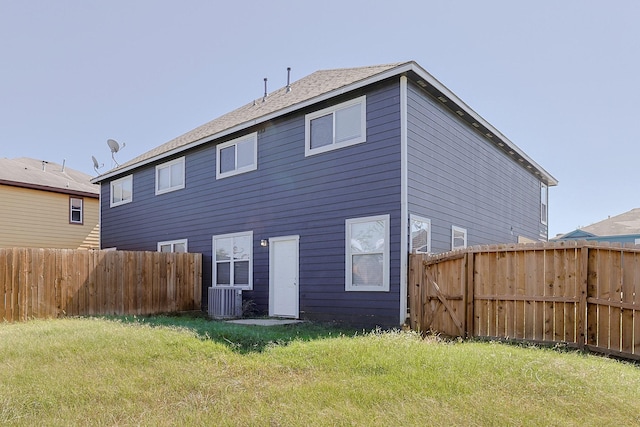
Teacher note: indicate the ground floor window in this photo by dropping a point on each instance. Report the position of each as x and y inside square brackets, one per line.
[173, 246]
[420, 235]
[367, 254]
[458, 237]
[233, 260]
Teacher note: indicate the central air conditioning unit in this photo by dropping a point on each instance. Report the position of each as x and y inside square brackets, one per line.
[225, 302]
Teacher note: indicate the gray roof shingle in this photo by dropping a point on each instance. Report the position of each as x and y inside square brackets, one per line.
[625, 223]
[26, 172]
[309, 87]
[316, 87]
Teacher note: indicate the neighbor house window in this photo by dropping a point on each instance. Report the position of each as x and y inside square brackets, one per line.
[170, 176]
[458, 237]
[237, 156]
[544, 202]
[75, 210]
[122, 191]
[336, 127]
[233, 260]
[420, 235]
[173, 246]
[367, 254]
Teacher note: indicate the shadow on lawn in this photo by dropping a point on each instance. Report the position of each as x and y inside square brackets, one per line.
[245, 338]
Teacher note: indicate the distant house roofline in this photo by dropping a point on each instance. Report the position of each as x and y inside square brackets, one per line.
[42, 175]
[50, 189]
[360, 77]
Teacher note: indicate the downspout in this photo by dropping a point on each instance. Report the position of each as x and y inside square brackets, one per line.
[404, 208]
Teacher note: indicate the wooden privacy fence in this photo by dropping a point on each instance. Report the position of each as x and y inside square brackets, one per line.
[43, 283]
[580, 293]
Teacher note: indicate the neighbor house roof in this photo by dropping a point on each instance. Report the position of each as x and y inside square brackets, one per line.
[317, 87]
[625, 223]
[47, 176]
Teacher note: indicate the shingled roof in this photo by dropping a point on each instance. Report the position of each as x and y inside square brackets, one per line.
[309, 87]
[316, 87]
[47, 176]
[625, 223]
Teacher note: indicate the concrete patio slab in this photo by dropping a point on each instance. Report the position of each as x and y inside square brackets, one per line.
[265, 322]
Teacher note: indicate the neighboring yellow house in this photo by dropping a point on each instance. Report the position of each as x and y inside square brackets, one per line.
[47, 205]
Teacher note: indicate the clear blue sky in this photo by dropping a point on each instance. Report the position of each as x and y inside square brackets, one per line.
[559, 78]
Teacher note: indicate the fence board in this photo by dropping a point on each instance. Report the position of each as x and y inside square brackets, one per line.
[615, 296]
[627, 297]
[42, 283]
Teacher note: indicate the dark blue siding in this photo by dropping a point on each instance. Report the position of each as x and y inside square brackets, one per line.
[457, 177]
[288, 194]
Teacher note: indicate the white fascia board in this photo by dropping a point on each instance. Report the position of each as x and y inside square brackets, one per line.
[428, 78]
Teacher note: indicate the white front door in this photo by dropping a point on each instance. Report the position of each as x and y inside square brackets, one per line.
[283, 276]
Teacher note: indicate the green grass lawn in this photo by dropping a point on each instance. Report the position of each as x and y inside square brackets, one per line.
[150, 372]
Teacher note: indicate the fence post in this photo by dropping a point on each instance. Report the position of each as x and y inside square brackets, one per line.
[583, 320]
[469, 324]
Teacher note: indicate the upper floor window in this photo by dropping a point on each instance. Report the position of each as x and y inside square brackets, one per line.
[173, 246]
[233, 260]
[367, 254]
[544, 201]
[336, 127]
[237, 156]
[75, 210]
[458, 237]
[170, 176]
[420, 235]
[122, 191]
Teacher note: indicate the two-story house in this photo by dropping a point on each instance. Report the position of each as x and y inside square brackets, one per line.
[47, 205]
[311, 198]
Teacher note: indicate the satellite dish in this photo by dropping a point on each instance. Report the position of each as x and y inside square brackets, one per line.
[114, 147]
[96, 166]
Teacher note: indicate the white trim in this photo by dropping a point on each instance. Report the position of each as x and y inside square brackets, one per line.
[544, 214]
[169, 165]
[384, 286]
[455, 228]
[214, 261]
[418, 218]
[116, 182]
[399, 70]
[404, 199]
[252, 137]
[361, 100]
[71, 210]
[173, 243]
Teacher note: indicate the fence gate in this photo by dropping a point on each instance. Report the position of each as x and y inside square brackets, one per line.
[438, 299]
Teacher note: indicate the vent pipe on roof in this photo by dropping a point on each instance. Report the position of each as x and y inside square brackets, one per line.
[265, 90]
[44, 165]
[288, 79]
[63, 162]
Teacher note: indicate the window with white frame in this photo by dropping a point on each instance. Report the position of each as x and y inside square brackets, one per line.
[237, 156]
[170, 176]
[75, 210]
[122, 191]
[233, 260]
[458, 237]
[336, 127]
[420, 239]
[367, 254]
[173, 246]
[544, 202]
